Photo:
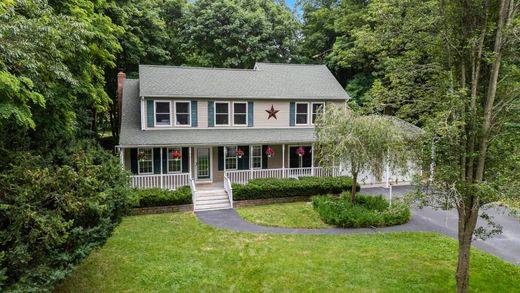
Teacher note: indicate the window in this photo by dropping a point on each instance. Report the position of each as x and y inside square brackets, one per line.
[182, 113]
[145, 161]
[239, 113]
[162, 113]
[174, 165]
[231, 158]
[302, 113]
[256, 156]
[317, 109]
[221, 113]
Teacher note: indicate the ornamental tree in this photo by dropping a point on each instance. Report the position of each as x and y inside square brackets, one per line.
[363, 142]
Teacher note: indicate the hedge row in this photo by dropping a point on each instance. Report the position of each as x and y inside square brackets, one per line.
[155, 197]
[369, 211]
[305, 186]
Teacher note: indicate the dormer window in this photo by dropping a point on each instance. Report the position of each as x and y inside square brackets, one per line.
[162, 113]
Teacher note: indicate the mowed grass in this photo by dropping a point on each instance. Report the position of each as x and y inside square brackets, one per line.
[177, 253]
[290, 215]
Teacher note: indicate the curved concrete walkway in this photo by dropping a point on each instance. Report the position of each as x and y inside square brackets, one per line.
[505, 246]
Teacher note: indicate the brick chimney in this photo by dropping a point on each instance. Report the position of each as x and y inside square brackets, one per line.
[120, 78]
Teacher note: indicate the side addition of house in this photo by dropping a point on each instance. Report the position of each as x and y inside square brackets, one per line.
[210, 127]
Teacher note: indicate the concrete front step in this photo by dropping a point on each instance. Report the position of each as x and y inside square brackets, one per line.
[214, 206]
[211, 199]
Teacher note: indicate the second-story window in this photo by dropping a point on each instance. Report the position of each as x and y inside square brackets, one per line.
[302, 113]
[182, 113]
[239, 113]
[221, 113]
[317, 109]
[162, 113]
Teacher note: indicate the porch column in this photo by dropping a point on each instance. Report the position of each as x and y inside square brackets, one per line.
[283, 161]
[251, 162]
[190, 168]
[161, 155]
[387, 170]
[224, 159]
[312, 160]
[122, 157]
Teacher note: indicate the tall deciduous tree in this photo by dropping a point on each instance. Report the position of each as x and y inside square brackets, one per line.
[452, 66]
[236, 33]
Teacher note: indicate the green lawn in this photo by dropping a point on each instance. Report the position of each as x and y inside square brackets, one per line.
[177, 253]
[291, 215]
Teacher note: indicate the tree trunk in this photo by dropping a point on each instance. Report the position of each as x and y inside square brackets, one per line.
[468, 215]
[492, 88]
[354, 187]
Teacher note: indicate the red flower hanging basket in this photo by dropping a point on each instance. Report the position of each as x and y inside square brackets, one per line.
[176, 155]
[269, 152]
[239, 153]
[140, 155]
[300, 151]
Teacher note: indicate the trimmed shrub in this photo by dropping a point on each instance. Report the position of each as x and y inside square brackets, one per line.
[155, 197]
[305, 186]
[52, 217]
[369, 211]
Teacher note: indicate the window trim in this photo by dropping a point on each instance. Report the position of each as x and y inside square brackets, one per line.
[246, 113]
[296, 113]
[215, 114]
[155, 112]
[139, 163]
[312, 110]
[168, 159]
[226, 157]
[175, 113]
[253, 156]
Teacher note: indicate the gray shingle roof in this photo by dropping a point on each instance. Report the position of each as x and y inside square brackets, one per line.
[266, 81]
[132, 135]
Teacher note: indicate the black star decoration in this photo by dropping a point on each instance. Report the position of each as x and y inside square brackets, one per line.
[272, 113]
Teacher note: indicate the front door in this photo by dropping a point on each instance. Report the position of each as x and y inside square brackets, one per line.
[203, 163]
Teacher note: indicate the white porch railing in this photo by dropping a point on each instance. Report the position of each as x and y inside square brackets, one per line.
[229, 190]
[193, 192]
[243, 176]
[164, 181]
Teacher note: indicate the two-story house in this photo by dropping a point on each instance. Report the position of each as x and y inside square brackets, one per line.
[193, 125]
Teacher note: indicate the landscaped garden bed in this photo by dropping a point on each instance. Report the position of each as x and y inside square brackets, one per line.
[304, 186]
[368, 211]
[156, 197]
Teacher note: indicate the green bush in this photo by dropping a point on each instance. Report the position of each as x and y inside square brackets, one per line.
[52, 217]
[369, 211]
[154, 197]
[305, 186]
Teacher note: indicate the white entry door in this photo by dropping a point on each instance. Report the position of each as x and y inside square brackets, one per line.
[204, 163]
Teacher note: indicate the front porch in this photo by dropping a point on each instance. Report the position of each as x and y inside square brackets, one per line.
[170, 167]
